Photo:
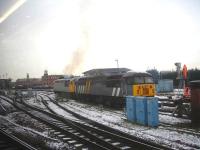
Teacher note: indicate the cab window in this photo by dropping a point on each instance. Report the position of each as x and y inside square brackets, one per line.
[148, 79]
[135, 80]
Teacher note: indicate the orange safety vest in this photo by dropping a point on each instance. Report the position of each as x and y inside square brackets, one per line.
[187, 92]
[184, 72]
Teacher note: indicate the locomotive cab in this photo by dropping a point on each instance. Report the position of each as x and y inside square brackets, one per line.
[138, 84]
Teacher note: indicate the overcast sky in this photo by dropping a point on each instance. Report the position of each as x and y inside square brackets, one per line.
[84, 34]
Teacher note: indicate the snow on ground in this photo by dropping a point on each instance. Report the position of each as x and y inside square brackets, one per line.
[117, 120]
[6, 106]
[28, 129]
[161, 97]
[178, 91]
[35, 102]
[52, 106]
[173, 139]
[4, 103]
[167, 108]
[61, 111]
[176, 94]
[164, 118]
[172, 97]
[12, 121]
[172, 120]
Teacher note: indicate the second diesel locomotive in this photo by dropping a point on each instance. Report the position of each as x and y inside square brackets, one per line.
[106, 86]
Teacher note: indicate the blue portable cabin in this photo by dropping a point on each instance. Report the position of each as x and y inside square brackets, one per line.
[164, 86]
[130, 108]
[152, 111]
[141, 110]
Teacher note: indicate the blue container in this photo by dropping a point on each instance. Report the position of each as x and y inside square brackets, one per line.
[141, 110]
[165, 85]
[130, 108]
[152, 111]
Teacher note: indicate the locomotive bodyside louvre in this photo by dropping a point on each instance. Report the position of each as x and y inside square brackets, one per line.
[98, 86]
[106, 90]
[114, 84]
[106, 86]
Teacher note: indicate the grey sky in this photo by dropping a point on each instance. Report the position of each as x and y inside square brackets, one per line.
[16, 33]
[19, 52]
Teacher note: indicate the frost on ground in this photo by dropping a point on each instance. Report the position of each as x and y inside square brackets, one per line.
[61, 111]
[117, 120]
[6, 106]
[31, 135]
[29, 130]
[35, 102]
[172, 120]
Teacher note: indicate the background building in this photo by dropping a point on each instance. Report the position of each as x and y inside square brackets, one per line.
[48, 80]
[5, 84]
[28, 83]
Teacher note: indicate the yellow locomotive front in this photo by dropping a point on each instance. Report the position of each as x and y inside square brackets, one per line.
[139, 84]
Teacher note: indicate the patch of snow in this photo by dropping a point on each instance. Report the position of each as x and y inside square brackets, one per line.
[34, 102]
[172, 120]
[61, 111]
[167, 108]
[43, 139]
[118, 121]
[161, 97]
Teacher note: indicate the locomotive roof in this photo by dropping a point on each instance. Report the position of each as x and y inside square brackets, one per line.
[132, 73]
[62, 79]
[105, 71]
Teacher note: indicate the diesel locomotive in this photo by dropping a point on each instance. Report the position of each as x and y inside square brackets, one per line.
[106, 86]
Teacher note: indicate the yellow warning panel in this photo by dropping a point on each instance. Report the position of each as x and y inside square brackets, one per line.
[137, 90]
[71, 87]
[148, 89]
[88, 86]
[144, 90]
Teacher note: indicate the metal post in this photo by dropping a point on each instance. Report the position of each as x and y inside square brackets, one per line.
[117, 64]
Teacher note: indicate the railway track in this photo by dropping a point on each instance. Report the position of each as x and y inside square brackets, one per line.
[180, 129]
[179, 108]
[165, 106]
[162, 126]
[2, 109]
[10, 142]
[112, 135]
[166, 126]
[90, 127]
[67, 131]
[88, 133]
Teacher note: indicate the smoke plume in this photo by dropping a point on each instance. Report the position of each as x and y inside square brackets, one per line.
[78, 56]
[76, 61]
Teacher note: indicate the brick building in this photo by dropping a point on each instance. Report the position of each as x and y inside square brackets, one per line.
[48, 80]
[28, 83]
